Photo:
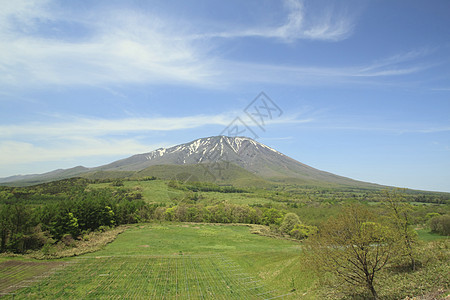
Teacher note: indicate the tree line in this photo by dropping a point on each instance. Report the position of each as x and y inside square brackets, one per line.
[29, 227]
[33, 217]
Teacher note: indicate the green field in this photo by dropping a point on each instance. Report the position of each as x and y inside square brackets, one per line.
[167, 259]
[180, 261]
[16, 274]
[201, 261]
[157, 191]
[427, 236]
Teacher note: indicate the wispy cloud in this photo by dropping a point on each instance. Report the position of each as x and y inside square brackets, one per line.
[127, 46]
[18, 153]
[329, 24]
[392, 128]
[110, 47]
[76, 127]
[404, 64]
[87, 137]
[89, 127]
[443, 89]
[124, 46]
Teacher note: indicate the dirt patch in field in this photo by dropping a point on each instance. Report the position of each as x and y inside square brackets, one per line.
[15, 274]
[144, 246]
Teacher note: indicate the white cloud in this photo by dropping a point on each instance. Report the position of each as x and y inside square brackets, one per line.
[19, 153]
[20, 15]
[126, 46]
[86, 138]
[329, 24]
[315, 75]
[86, 127]
[118, 47]
[441, 89]
[80, 128]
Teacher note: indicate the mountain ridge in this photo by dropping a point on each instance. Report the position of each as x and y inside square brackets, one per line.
[213, 154]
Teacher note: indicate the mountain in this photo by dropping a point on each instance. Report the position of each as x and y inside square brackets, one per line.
[45, 177]
[212, 158]
[257, 158]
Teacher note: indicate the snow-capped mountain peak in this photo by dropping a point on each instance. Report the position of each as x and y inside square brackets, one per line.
[212, 153]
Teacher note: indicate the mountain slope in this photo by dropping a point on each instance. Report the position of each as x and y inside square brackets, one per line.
[217, 157]
[45, 177]
[246, 153]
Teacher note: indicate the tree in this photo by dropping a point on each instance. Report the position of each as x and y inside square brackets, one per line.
[399, 214]
[440, 224]
[354, 246]
[301, 231]
[289, 222]
[169, 214]
[5, 225]
[272, 216]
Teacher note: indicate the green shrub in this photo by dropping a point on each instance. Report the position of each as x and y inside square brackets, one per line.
[440, 224]
[289, 221]
[301, 231]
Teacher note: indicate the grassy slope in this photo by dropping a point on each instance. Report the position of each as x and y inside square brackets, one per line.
[278, 263]
[209, 250]
[312, 205]
[427, 236]
[157, 191]
[220, 172]
[17, 273]
[274, 262]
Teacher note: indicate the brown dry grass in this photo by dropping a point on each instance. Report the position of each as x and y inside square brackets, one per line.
[89, 243]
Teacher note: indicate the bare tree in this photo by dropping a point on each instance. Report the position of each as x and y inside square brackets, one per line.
[399, 215]
[354, 246]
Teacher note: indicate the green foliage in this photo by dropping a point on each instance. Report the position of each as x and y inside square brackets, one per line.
[169, 214]
[440, 224]
[78, 206]
[399, 215]
[117, 183]
[301, 231]
[292, 226]
[80, 210]
[289, 222]
[272, 216]
[203, 187]
[354, 246]
[73, 206]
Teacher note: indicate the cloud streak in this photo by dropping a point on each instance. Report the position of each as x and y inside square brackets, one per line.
[19, 153]
[102, 127]
[328, 25]
[114, 47]
[89, 127]
[129, 47]
[318, 76]
[85, 137]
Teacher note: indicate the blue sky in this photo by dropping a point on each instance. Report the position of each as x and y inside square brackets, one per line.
[364, 86]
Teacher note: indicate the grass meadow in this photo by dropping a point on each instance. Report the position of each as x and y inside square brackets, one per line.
[164, 260]
[180, 261]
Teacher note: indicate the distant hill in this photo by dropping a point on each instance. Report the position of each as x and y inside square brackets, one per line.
[221, 158]
[45, 177]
